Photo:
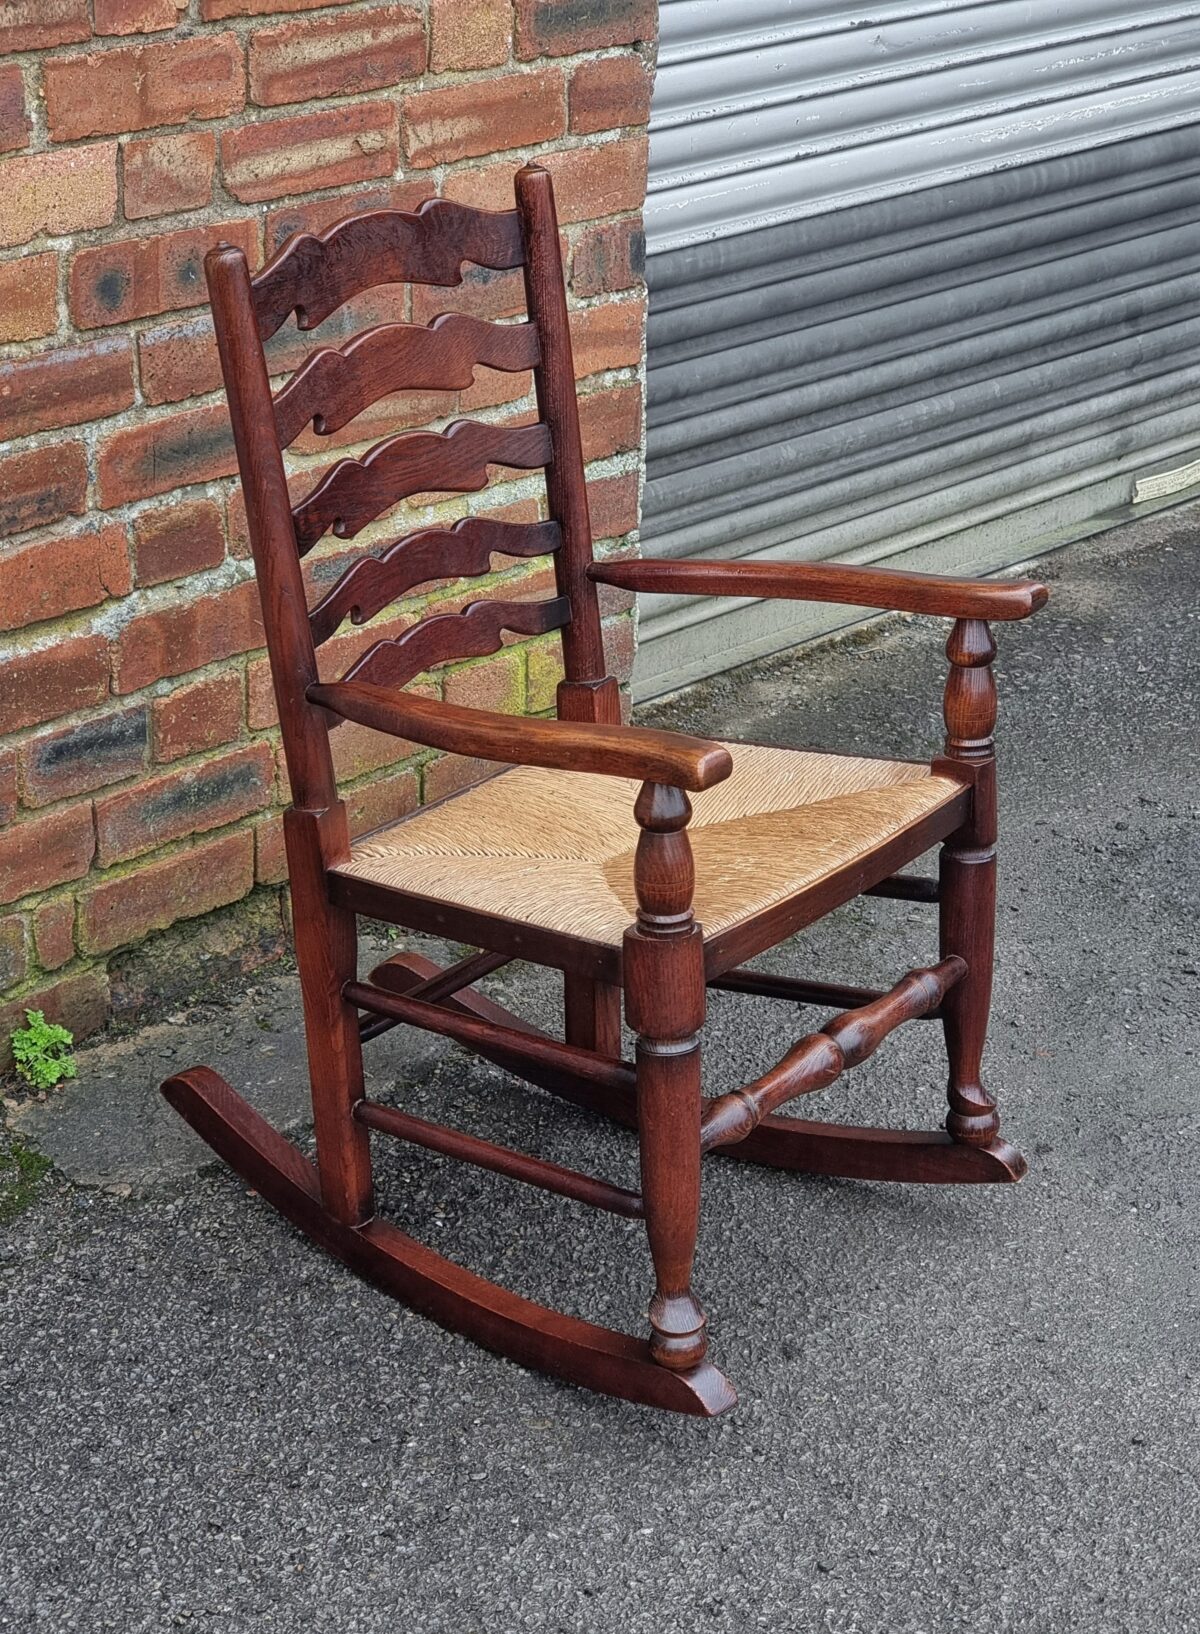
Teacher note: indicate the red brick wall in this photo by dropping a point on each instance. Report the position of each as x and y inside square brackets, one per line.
[140, 773]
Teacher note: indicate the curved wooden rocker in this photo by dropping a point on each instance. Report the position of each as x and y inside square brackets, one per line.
[587, 854]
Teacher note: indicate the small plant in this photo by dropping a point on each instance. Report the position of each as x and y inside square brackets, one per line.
[42, 1052]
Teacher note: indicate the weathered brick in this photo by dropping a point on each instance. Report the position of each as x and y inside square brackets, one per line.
[332, 148]
[79, 1003]
[32, 25]
[45, 578]
[609, 257]
[177, 540]
[545, 671]
[189, 801]
[138, 277]
[194, 718]
[358, 750]
[45, 850]
[67, 386]
[214, 11]
[42, 485]
[135, 87]
[176, 640]
[494, 683]
[182, 886]
[610, 422]
[14, 951]
[558, 28]
[450, 773]
[161, 455]
[609, 93]
[53, 681]
[608, 336]
[469, 34]
[89, 755]
[57, 192]
[137, 16]
[384, 801]
[9, 790]
[343, 55]
[178, 360]
[602, 179]
[270, 855]
[54, 932]
[28, 297]
[14, 117]
[314, 215]
[613, 503]
[463, 121]
[168, 172]
[483, 293]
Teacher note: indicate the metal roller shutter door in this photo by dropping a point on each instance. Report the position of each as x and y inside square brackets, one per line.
[922, 287]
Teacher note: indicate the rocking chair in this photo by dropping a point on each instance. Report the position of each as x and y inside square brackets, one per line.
[586, 854]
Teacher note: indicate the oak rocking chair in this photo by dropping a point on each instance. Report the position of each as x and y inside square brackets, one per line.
[636, 894]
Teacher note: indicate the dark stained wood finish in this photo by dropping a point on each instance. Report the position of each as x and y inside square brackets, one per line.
[334, 385]
[854, 1152]
[442, 984]
[885, 588]
[314, 273]
[477, 630]
[354, 492]
[463, 551]
[766, 984]
[906, 888]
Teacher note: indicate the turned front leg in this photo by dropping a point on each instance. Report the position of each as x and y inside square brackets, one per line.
[968, 880]
[664, 1005]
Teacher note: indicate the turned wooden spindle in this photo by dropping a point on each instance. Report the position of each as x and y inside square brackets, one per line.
[664, 1005]
[968, 880]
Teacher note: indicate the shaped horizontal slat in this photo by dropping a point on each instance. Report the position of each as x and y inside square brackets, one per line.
[314, 274]
[354, 492]
[333, 386]
[463, 551]
[472, 633]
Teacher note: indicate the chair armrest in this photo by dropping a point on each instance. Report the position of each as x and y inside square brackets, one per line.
[522, 740]
[885, 588]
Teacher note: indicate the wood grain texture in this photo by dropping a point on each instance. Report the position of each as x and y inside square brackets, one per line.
[477, 630]
[333, 385]
[355, 491]
[315, 273]
[885, 588]
[463, 551]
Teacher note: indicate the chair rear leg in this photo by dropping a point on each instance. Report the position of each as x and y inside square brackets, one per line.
[327, 956]
[593, 1014]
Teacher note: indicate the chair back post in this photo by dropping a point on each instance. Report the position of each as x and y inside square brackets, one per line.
[272, 534]
[589, 692]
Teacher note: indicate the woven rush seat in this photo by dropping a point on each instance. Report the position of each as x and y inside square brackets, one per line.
[556, 849]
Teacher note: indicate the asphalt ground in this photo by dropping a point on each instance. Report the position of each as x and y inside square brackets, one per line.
[963, 1409]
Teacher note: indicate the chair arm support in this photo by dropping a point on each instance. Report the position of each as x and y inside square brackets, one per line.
[885, 588]
[521, 740]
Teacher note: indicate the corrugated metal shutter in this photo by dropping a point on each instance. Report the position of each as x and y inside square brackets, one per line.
[921, 286]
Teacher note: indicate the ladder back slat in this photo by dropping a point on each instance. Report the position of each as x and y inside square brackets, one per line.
[473, 633]
[333, 386]
[314, 274]
[463, 551]
[355, 491]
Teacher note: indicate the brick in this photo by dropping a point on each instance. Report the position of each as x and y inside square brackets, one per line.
[166, 173]
[613, 503]
[139, 277]
[9, 791]
[314, 215]
[450, 773]
[137, 16]
[49, 577]
[385, 801]
[177, 540]
[54, 932]
[182, 886]
[558, 28]
[14, 117]
[161, 455]
[214, 11]
[545, 662]
[57, 192]
[50, 682]
[106, 93]
[194, 718]
[14, 954]
[610, 92]
[483, 293]
[343, 55]
[464, 121]
[66, 387]
[610, 422]
[179, 360]
[79, 1003]
[333, 148]
[189, 801]
[175, 640]
[28, 297]
[619, 645]
[357, 750]
[89, 755]
[608, 336]
[469, 34]
[44, 851]
[270, 856]
[31, 25]
[602, 179]
[496, 683]
[42, 485]
[609, 257]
